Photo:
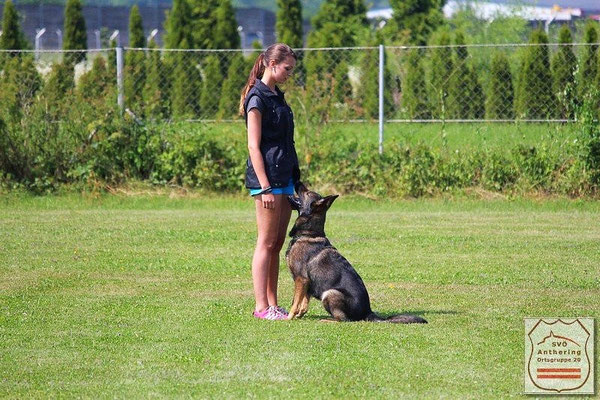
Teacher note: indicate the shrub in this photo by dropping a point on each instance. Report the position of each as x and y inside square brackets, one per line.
[588, 122]
[190, 159]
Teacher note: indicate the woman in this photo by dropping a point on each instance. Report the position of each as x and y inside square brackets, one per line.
[271, 169]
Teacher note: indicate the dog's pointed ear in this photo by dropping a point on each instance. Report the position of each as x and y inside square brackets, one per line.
[326, 201]
[300, 187]
[294, 202]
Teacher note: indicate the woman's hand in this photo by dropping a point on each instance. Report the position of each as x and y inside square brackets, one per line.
[268, 200]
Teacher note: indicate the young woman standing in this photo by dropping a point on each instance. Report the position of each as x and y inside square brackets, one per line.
[271, 169]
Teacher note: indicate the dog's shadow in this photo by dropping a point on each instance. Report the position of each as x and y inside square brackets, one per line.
[420, 313]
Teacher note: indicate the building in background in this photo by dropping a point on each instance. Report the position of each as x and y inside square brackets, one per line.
[102, 21]
[535, 11]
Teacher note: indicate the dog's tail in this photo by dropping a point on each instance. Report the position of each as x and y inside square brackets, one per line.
[397, 319]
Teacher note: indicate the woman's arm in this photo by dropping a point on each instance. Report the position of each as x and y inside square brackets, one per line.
[254, 136]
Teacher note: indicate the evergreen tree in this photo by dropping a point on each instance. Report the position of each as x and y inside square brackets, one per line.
[155, 89]
[459, 90]
[111, 62]
[226, 35]
[415, 20]
[441, 71]
[369, 89]
[289, 31]
[598, 83]
[232, 87]
[535, 99]
[342, 89]
[180, 107]
[136, 29]
[289, 23]
[564, 64]
[12, 37]
[58, 89]
[135, 63]
[204, 23]
[185, 85]
[476, 94]
[178, 29]
[211, 87]
[466, 99]
[19, 84]
[414, 89]
[184, 80]
[588, 67]
[337, 24]
[500, 95]
[75, 35]
[94, 84]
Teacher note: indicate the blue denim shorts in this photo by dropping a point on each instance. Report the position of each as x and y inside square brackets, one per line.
[288, 190]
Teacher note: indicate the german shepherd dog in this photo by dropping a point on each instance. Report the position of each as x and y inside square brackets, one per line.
[320, 271]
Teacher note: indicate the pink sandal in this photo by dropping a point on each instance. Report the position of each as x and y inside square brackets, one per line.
[272, 313]
[281, 310]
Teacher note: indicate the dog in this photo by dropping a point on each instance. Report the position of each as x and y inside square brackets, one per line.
[320, 271]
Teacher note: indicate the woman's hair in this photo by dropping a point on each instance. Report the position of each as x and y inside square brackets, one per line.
[278, 52]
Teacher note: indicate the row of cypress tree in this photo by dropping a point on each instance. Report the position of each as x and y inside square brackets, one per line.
[446, 83]
[74, 36]
[197, 85]
[536, 86]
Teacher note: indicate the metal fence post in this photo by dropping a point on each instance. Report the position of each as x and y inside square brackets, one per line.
[381, 83]
[120, 101]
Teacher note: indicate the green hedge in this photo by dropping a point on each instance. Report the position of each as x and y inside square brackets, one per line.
[112, 151]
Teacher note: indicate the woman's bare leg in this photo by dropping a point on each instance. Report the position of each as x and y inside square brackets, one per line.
[284, 219]
[266, 254]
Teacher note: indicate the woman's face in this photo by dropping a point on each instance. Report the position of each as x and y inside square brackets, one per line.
[284, 69]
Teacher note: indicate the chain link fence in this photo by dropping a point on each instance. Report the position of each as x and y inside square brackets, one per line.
[473, 83]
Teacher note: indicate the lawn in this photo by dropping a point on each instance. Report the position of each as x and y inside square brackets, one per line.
[150, 296]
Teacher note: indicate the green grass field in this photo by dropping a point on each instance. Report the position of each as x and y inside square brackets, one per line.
[150, 296]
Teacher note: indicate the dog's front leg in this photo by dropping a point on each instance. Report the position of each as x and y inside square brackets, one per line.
[304, 304]
[300, 289]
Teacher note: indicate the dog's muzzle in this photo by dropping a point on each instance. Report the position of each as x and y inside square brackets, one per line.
[295, 202]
